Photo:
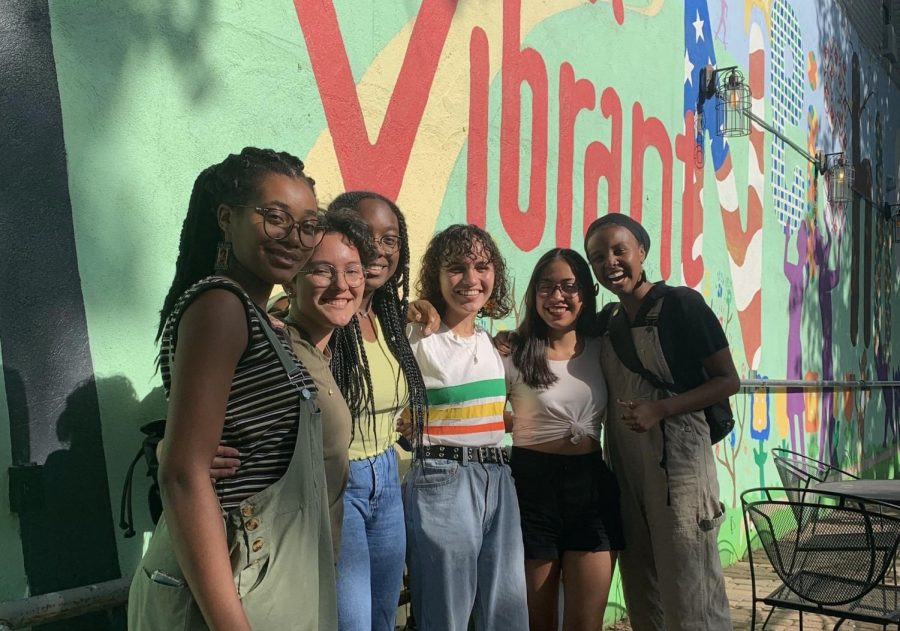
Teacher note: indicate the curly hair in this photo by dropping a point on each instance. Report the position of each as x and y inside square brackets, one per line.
[462, 242]
[389, 303]
[235, 180]
[529, 343]
[349, 224]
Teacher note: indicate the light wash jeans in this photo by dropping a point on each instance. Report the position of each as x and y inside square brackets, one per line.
[373, 546]
[465, 546]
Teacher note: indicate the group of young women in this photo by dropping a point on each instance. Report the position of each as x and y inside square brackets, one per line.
[294, 417]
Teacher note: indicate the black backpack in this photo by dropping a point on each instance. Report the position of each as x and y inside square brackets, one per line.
[153, 433]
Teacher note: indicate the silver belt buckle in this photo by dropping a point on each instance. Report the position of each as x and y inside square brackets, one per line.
[483, 453]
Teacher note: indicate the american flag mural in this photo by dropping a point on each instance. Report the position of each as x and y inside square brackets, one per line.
[744, 244]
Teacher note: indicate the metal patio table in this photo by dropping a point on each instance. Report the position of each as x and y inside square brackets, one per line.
[887, 491]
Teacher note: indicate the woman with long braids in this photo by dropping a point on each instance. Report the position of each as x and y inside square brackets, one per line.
[229, 375]
[373, 542]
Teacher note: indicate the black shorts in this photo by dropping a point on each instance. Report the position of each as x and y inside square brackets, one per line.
[566, 503]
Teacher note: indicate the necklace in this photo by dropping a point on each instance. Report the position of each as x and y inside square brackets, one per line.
[470, 341]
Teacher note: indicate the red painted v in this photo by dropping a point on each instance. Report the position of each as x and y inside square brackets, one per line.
[380, 166]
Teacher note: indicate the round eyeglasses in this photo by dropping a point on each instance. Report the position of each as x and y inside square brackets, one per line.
[278, 224]
[389, 243]
[567, 287]
[324, 275]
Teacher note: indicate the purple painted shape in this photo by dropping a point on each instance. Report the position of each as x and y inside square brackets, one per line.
[796, 275]
[828, 280]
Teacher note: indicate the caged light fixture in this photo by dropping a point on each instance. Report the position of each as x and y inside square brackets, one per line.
[734, 116]
[893, 214]
[838, 177]
[733, 105]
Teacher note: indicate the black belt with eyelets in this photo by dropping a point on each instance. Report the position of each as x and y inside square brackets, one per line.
[485, 455]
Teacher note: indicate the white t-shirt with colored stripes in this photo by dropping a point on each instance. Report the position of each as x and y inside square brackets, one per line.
[465, 384]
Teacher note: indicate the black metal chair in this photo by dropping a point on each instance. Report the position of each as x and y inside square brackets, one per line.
[799, 471]
[843, 578]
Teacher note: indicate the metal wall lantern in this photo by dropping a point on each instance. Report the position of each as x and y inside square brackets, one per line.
[734, 104]
[734, 116]
[839, 178]
[893, 214]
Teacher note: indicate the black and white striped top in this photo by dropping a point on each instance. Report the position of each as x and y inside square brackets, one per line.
[263, 407]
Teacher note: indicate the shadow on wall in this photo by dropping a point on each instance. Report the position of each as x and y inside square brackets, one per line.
[97, 44]
[135, 28]
[835, 265]
[67, 498]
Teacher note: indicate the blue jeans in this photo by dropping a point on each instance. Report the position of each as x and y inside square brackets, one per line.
[465, 546]
[373, 546]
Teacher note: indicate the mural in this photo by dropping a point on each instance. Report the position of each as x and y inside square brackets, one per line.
[528, 118]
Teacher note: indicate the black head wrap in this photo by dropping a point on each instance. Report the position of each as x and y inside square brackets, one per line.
[626, 222]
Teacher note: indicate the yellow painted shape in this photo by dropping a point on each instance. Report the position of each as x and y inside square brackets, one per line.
[781, 414]
[760, 407]
[763, 5]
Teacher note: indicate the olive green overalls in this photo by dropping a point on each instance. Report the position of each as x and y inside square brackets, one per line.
[272, 538]
[671, 570]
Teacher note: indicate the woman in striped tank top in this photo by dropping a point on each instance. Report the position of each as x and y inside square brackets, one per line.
[229, 376]
[462, 518]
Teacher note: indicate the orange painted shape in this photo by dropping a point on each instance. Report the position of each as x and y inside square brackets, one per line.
[811, 401]
[751, 331]
[847, 396]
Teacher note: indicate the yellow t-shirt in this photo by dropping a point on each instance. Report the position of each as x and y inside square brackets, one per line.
[391, 395]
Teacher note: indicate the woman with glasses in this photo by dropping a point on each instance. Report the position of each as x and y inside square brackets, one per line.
[253, 550]
[325, 296]
[568, 497]
[373, 541]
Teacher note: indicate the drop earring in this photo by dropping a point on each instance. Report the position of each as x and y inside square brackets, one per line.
[223, 257]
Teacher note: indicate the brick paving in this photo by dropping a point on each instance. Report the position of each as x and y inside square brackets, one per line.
[737, 580]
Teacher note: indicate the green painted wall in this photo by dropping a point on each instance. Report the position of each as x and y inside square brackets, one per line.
[152, 92]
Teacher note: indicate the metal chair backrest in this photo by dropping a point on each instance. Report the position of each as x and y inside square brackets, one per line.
[794, 479]
[862, 538]
[807, 467]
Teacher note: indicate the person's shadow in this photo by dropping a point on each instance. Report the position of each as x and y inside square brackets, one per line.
[69, 534]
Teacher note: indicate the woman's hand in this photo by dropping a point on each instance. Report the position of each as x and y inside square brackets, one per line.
[641, 416]
[503, 343]
[404, 425]
[424, 313]
[225, 464]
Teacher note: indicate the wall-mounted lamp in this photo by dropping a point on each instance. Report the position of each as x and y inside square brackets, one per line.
[733, 105]
[892, 213]
[734, 116]
[839, 177]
